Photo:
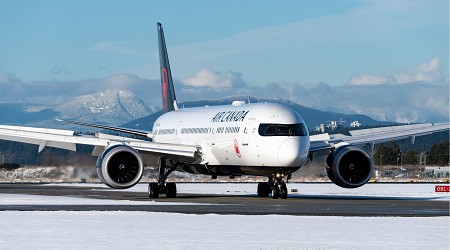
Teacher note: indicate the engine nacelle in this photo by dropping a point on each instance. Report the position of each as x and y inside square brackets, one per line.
[350, 167]
[120, 167]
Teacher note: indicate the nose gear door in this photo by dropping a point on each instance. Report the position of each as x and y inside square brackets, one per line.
[247, 131]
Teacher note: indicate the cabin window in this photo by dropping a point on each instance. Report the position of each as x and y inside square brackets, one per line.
[166, 131]
[228, 130]
[194, 130]
[298, 129]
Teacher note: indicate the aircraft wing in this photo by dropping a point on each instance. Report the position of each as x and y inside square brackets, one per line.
[66, 139]
[375, 135]
[117, 129]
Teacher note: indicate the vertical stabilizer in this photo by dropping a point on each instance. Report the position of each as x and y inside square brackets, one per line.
[169, 100]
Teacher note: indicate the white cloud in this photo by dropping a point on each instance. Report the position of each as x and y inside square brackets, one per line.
[430, 72]
[418, 101]
[9, 78]
[10, 87]
[121, 79]
[412, 102]
[383, 99]
[214, 79]
[418, 95]
[369, 79]
[427, 72]
[52, 92]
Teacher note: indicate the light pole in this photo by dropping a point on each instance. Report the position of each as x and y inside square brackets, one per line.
[401, 160]
[401, 164]
[420, 167]
[422, 160]
[381, 170]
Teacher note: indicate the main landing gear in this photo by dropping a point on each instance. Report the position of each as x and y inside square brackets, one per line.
[275, 185]
[161, 187]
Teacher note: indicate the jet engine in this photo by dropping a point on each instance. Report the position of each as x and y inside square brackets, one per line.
[349, 167]
[120, 167]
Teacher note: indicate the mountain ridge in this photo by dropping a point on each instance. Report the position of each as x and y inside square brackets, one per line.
[113, 107]
[312, 117]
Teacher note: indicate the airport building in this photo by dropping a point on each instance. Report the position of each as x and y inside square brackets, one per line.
[438, 172]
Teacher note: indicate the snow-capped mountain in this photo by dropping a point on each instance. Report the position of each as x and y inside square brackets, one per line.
[112, 107]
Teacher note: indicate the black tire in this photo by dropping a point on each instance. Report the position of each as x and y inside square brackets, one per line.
[275, 192]
[283, 191]
[153, 190]
[171, 190]
[263, 189]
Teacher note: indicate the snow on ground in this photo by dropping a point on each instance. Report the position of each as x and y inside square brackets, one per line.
[144, 230]
[131, 230]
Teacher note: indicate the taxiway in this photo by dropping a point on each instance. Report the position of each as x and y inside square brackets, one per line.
[246, 204]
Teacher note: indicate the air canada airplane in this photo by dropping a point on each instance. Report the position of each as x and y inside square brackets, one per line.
[259, 139]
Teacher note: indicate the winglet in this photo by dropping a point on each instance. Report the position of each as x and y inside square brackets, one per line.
[169, 100]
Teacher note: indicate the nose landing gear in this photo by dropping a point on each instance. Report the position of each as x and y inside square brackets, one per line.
[276, 185]
[279, 190]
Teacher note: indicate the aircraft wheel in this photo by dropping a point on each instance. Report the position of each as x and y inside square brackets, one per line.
[171, 190]
[275, 192]
[283, 191]
[263, 189]
[153, 190]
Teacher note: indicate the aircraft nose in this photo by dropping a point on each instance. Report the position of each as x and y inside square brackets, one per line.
[290, 153]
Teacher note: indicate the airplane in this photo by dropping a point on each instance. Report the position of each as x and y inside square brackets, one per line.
[257, 139]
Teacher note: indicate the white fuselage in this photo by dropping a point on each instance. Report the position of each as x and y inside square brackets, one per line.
[240, 136]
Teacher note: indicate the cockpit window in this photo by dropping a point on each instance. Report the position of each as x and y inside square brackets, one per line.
[299, 129]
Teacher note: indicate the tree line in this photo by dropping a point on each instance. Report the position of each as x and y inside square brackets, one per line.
[27, 154]
[391, 154]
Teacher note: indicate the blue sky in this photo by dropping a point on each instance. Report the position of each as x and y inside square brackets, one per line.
[264, 41]
[386, 59]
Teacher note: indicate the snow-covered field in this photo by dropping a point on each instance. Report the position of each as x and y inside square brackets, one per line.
[141, 230]
[131, 230]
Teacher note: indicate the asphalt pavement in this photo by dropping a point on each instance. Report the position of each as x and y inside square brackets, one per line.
[229, 204]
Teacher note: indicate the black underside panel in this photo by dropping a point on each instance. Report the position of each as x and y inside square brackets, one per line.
[238, 170]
